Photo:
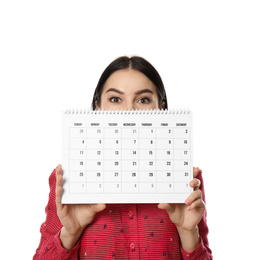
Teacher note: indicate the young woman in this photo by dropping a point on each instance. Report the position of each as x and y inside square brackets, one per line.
[126, 231]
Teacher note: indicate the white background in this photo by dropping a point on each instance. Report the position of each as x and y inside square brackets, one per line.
[51, 56]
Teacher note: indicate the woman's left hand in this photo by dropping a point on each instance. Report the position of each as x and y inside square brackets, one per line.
[187, 216]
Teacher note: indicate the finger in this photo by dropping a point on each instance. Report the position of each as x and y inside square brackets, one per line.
[195, 171]
[164, 206]
[98, 207]
[195, 183]
[197, 194]
[199, 203]
[59, 189]
[95, 208]
[169, 207]
[58, 171]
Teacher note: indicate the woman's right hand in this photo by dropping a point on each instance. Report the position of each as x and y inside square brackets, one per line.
[74, 217]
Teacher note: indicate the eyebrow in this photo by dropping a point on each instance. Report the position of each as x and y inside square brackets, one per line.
[137, 92]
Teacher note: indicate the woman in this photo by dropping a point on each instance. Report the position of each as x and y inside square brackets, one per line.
[126, 231]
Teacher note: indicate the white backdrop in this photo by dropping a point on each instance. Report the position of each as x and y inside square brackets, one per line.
[51, 56]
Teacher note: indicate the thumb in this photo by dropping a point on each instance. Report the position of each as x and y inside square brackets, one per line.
[98, 207]
[169, 207]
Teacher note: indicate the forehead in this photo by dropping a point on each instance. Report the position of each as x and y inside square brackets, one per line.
[128, 80]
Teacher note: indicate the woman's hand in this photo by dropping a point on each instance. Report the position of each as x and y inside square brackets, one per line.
[74, 217]
[187, 216]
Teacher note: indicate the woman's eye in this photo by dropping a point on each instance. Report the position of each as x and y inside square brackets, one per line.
[115, 99]
[144, 100]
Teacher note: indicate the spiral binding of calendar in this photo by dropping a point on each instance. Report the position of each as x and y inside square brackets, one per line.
[143, 111]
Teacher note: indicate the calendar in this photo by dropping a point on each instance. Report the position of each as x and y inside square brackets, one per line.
[137, 156]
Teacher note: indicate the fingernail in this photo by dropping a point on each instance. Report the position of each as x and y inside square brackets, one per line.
[187, 202]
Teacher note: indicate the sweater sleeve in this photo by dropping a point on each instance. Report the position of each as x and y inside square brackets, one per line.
[202, 251]
[50, 246]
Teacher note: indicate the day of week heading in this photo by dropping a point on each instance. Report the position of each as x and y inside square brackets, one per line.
[146, 124]
[164, 124]
[129, 124]
[181, 124]
[112, 124]
[94, 124]
[77, 124]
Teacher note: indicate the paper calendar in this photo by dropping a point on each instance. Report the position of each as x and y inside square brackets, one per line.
[142, 156]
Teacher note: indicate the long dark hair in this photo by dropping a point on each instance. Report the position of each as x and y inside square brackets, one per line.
[135, 63]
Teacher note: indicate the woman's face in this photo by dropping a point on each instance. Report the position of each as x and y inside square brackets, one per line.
[128, 89]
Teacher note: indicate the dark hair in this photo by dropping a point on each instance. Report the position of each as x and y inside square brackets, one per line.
[135, 63]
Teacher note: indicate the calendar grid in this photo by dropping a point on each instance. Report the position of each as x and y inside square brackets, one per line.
[121, 172]
[102, 140]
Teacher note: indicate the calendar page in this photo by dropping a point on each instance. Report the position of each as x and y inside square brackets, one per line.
[141, 156]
